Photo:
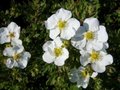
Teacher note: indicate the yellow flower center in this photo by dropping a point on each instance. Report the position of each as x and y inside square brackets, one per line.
[94, 56]
[16, 57]
[12, 35]
[84, 73]
[58, 52]
[61, 24]
[89, 35]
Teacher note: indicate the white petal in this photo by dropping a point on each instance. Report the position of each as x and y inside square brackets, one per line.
[97, 45]
[58, 42]
[16, 42]
[10, 63]
[46, 45]
[8, 51]
[4, 35]
[98, 67]
[94, 74]
[107, 60]
[80, 32]
[102, 34]
[78, 42]
[22, 63]
[105, 45]
[54, 33]
[85, 84]
[91, 24]
[67, 33]
[51, 22]
[74, 75]
[26, 55]
[13, 27]
[48, 58]
[63, 14]
[73, 23]
[61, 60]
[89, 46]
[84, 59]
[18, 49]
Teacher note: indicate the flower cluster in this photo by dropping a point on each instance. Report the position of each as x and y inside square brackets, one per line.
[14, 50]
[90, 39]
[62, 27]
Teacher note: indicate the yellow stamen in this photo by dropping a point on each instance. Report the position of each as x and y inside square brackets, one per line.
[16, 57]
[58, 52]
[12, 35]
[94, 56]
[84, 73]
[89, 35]
[61, 24]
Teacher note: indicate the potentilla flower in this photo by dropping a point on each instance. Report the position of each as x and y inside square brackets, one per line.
[18, 60]
[90, 36]
[9, 33]
[13, 48]
[98, 59]
[62, 23]
[55, 52]
[81, 76]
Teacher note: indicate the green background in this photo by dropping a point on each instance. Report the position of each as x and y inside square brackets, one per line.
[38, 75]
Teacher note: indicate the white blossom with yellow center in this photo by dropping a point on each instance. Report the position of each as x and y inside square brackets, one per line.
[90, 36]
[9, 33]
[17, 56]
[55, 52]
[81, 76]
[62, 24]
[98, 59]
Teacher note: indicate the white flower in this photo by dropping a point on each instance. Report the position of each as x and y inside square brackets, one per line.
[18, 60]
[81, 76]
[90, 36]
[55, 52]
[98, 59]
[15, 47]
[9, 33]
[62, 23]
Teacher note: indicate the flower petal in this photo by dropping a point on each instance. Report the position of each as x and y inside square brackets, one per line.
[61, 60]
[97, 45]
[107, 60]
[54, 33]
[67, 33]
[94, 74]
[98, 67]
[46, 45]
[91, 24]
[51, 22]
[8, 51]
[102, 34]
[78, 43]
[73, 23]
[48, 58]
[58, 42]
[4, 35]
[63, 14]
[16, 42]
[22, 63]
[74, 75]
[84, 59]
[10, 63]
[13, 27]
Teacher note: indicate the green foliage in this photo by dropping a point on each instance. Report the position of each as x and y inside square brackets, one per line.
[38, 75]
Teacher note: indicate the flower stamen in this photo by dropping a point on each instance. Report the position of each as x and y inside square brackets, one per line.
[94, 56]
[58, 52]
[89, 35]
[61, 24]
